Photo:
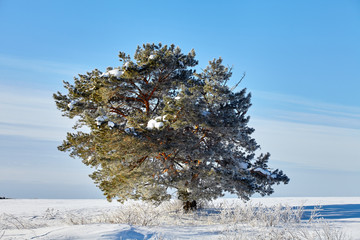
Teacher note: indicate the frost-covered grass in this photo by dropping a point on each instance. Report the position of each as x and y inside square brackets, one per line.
[222, 219]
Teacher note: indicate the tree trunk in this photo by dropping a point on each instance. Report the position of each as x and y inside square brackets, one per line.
[189, 206]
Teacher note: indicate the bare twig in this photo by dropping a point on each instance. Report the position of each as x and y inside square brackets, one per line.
[243, 76]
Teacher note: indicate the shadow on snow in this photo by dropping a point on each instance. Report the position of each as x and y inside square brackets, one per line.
[129, 234]
[333, 211]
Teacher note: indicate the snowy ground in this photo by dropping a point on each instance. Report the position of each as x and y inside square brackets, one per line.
[265, 218]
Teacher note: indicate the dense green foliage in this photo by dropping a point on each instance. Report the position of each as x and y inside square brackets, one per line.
[155, 124]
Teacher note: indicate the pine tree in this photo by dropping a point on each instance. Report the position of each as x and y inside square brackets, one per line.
[155, 124]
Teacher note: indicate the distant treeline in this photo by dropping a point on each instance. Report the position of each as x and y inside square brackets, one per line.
[3, 198]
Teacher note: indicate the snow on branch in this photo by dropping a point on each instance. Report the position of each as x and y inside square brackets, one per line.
[115, 72]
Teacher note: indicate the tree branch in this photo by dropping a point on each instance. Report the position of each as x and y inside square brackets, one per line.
[118, 111]
[243, 76]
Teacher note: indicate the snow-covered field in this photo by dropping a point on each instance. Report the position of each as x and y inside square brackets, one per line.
[261, 218]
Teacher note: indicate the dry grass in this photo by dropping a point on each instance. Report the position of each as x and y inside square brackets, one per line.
[230, 219]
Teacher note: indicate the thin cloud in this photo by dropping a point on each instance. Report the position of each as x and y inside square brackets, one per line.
[312, 146]
[41, 66]
[31, 113]
[289, 138]
[296, 109]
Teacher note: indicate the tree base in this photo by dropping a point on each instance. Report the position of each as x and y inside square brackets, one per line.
[189, 206]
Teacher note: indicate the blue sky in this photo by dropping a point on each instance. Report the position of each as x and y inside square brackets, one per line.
[301, 60]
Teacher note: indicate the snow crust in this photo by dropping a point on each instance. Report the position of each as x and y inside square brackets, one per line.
[43, 219]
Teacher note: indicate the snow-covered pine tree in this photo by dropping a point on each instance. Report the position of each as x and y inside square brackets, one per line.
[155, 124]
